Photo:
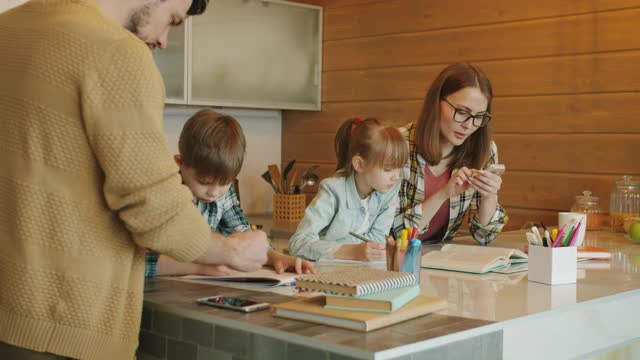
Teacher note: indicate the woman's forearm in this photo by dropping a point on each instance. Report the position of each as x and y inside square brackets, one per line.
[488, 207]
[430, 206]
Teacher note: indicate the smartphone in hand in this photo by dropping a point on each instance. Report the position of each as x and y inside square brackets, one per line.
[233, 303]
[496, 169]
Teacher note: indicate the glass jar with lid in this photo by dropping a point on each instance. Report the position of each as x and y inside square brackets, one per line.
[625, 202]
[589, 205]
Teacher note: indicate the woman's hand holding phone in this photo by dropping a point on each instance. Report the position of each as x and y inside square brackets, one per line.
[487, 182]
[459, 182]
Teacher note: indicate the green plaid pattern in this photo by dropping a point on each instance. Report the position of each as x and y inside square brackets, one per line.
[223, 215]
[411, 196]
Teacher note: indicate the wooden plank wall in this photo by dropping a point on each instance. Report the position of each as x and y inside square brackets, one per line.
[566, 76]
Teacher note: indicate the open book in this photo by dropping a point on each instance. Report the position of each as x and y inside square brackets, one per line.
[473, 259]
[266, 277]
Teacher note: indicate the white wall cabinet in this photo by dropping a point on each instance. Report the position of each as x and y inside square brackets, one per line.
[172, 63]
[8, 4]
[246, 53]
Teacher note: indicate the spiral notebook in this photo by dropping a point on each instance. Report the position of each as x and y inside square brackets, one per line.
[356, 281]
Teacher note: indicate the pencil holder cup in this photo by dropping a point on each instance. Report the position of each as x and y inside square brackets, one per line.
[570, 219]
[289, 208]
[412, 259]
[553, 266]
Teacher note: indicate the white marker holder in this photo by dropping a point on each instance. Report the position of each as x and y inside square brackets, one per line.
[553, 266]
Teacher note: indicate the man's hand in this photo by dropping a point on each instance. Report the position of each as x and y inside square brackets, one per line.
[281, 262]
[243, 251]
[248, 250]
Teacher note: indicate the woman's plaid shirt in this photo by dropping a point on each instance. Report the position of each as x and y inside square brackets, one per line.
[411, 196]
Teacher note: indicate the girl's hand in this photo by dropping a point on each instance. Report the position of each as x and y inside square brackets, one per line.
[459, 182]
[370, 251]
[486, 183]
[365, 251]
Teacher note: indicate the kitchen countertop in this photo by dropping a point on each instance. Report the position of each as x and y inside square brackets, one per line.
[597, 313]
[177, 299]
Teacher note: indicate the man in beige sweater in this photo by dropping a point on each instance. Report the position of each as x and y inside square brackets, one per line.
[86, 178]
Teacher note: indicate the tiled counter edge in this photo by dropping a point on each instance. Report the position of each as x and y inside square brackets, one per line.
[172, 333]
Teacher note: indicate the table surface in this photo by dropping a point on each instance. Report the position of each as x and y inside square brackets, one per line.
[474, 300]
[177, 298]
[499, 297]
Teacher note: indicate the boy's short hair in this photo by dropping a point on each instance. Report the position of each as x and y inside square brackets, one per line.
[213, 144]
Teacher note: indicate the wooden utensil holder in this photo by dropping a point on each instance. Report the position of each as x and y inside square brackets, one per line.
[289, 208]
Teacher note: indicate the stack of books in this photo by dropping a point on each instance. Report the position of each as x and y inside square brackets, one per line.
[361, 298]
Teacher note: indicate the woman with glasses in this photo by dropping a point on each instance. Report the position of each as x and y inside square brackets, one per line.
[450, 148]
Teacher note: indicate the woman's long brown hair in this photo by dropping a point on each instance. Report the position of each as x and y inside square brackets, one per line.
[475, 151]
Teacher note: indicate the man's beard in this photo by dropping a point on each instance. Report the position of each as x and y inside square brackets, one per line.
[140, 17]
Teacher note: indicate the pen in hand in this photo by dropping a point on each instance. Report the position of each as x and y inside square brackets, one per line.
[359, 237]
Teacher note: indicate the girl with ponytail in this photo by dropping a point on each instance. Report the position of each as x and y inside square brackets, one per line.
[361, 197]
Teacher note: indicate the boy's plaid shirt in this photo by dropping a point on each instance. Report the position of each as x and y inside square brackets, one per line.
[411, 196]
[224, 215]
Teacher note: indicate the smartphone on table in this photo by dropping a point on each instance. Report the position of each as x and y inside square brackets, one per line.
[233, 303]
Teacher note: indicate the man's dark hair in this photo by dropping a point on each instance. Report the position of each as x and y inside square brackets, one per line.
[198, 7]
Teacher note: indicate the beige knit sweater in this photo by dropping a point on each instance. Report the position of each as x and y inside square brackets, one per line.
[86, 181]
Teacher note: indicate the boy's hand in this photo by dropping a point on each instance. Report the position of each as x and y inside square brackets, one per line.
[281, 262]
[248, 250]
[216, 270]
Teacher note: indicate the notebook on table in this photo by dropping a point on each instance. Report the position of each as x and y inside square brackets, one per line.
[588, 253]
[385, 302]
[592, 252]
[266, 277]
[356, 281]
[313, 310]
[473, 259]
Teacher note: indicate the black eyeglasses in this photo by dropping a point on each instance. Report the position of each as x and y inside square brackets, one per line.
[461, 116]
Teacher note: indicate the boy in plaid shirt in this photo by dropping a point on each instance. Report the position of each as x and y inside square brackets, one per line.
[212, 148]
